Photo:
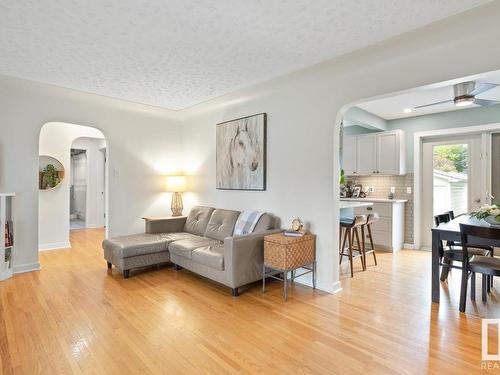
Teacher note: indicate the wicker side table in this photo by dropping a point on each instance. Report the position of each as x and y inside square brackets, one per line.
[285, 254]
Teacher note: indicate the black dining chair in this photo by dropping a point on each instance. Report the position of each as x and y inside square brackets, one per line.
[475, 237]
[453, 251]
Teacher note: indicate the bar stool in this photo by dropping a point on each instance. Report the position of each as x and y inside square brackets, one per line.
[371, 219]
[350, 227]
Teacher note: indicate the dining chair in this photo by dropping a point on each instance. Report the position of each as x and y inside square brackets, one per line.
[453, 251]
[350, 228]
[446, 262]
[473, 237]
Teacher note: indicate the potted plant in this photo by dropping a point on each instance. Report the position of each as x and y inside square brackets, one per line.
[50, 176]
[488, 213]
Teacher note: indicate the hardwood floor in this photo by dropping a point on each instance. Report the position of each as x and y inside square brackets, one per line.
[75, 316]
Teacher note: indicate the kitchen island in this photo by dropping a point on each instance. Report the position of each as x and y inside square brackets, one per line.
[347, 208]
[388, 231]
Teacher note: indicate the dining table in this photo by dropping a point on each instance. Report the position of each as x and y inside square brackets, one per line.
[450, 231]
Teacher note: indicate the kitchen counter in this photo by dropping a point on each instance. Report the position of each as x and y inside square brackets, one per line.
[388, 230]
[368, 199]
[354, 204]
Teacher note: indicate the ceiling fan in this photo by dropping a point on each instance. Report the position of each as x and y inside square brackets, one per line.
[465, 94]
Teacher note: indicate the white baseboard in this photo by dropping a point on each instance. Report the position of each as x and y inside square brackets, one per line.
[53, 246]
[28, 267]
[307, 281]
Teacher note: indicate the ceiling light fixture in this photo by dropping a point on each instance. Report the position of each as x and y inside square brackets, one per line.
[464, 100]
[407, 110]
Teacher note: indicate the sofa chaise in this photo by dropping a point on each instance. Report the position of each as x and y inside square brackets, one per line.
[203, 242]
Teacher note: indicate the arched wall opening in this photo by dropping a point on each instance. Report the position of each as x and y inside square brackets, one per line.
[418, 126]
[56, 141]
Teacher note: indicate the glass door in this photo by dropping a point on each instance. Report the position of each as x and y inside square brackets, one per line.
[451, 179]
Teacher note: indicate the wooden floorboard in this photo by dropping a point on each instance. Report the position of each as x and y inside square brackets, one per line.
[76, 317]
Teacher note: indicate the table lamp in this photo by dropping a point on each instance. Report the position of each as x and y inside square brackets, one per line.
[176, 185]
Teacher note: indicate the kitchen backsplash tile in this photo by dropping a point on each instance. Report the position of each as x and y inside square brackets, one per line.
[382, 186]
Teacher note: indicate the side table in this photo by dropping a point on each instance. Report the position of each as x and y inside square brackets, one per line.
[285, 254]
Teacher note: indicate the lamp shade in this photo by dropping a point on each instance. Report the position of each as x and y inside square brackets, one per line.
[175, 184]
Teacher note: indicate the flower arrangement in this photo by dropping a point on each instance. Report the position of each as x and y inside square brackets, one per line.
[489, 213]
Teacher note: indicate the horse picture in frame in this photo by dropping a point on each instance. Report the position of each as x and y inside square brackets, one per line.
[241, 153]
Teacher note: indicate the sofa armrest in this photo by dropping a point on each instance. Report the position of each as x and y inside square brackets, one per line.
[244, 256]
[164, 224]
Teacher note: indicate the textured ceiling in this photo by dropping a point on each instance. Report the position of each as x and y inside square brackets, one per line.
[178, 53]
[392, 107]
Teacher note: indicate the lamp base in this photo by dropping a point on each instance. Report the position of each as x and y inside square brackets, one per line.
[176, 205]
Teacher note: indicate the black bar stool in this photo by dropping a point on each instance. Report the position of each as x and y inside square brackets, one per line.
[350, 228]
[371, 219]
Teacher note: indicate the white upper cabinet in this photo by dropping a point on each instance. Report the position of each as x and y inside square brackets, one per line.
[389, 152]
[349, 156]
[375, 154]
[366, 154]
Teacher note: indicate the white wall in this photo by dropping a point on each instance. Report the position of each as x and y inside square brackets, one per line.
[302, 111]
[144, 145]
[93, 179]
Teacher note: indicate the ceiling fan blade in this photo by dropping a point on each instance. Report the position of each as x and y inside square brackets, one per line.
[485, 103]
[433, 104]
[482, 87]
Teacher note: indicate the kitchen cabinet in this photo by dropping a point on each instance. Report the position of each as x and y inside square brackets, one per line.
[375, 154]
[366, 154]
[349, 156]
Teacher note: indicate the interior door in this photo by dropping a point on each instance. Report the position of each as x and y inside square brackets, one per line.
[388, 154]
[451, 179]
[366, 154]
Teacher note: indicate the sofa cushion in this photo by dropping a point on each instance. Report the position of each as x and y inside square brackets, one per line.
[197, 220]
[177, 236]
[210, 256]
[184, 248]
[136, 244]
[265, 222]
[221, 224]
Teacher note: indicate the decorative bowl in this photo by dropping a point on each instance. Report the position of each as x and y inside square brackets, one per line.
[492, 220]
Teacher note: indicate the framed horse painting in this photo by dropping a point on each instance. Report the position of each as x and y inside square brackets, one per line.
[241, 153]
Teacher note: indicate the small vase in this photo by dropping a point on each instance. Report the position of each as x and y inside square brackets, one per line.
[492, 220]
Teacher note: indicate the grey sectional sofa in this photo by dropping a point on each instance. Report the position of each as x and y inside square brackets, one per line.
[203, 242]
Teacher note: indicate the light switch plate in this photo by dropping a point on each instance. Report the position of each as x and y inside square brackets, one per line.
[408, 190]
[116, 172]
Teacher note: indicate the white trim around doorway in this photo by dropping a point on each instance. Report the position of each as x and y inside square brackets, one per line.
[418, 139]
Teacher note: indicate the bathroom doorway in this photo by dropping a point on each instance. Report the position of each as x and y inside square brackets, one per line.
[78, 189]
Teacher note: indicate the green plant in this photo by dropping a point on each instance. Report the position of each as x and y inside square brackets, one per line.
[487, 210]
[342, 177]
[50, 176]
[451, 158]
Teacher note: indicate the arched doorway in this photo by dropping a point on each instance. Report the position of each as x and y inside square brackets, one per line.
[56, 181]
